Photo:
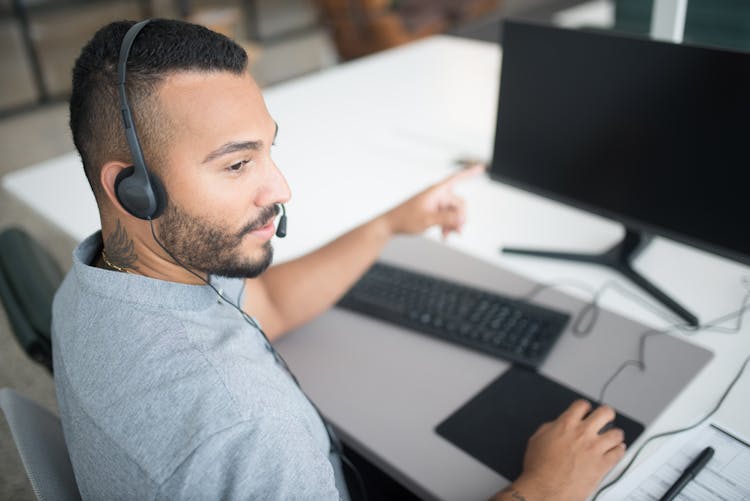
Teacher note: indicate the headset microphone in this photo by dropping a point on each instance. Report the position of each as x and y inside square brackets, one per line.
[281, 228]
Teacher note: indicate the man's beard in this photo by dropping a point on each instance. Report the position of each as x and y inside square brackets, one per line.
[203, 247]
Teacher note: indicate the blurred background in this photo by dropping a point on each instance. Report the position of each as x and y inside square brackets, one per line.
[285, 39]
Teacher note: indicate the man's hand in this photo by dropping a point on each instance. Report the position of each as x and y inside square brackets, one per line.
[567, 458]
[437, 205]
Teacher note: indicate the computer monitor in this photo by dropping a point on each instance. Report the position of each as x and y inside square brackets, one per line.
[651, 134]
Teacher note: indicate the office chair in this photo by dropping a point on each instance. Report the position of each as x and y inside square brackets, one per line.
[39, 439]
[29, 278]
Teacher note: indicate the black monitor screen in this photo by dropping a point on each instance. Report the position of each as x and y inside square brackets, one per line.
[652, 134]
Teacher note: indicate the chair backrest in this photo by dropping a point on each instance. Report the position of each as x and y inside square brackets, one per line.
[29, 278]
[39, 438]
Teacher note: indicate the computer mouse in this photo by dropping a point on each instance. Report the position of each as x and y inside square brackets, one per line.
[607, 427]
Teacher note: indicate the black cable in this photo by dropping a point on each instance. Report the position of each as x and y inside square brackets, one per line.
[713, 326]
[639, 363]
[335, 444]
[360, 480]
[592, 308]
[674, 432]
[239, 294]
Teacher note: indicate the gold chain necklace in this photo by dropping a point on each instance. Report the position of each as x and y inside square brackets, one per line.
[112, 265]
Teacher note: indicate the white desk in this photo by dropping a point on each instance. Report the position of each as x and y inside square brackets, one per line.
[356, 139]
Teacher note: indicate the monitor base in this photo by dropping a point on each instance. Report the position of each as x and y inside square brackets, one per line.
[619, 257]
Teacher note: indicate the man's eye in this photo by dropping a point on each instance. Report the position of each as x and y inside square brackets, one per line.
[238, 166]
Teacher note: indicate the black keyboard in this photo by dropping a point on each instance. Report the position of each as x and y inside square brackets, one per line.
[501, 326]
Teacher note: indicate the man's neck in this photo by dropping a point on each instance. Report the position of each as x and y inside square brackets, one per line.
[142, 256]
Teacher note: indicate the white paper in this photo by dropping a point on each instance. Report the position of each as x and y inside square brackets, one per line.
[725, 477]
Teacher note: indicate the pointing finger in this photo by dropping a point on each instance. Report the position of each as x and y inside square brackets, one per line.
[463, 174]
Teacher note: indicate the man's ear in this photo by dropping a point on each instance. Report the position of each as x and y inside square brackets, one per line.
[107, 177]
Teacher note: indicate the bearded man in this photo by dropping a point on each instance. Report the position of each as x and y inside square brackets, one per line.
[167, 380]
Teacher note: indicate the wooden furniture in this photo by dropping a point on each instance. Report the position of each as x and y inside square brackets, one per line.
[361, 27]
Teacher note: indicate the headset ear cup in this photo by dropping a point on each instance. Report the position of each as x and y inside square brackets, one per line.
[159, 193]
[120, 192]
[132, 195]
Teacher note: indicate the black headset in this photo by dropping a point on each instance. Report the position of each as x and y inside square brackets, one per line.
[139, 190]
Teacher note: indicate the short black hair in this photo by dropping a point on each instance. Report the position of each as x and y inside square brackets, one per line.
[163, 47]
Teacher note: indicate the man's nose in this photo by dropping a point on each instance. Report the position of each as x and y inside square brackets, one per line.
[276, 189]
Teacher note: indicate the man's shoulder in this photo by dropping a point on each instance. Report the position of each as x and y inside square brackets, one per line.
[156, 369]
[156, 397]
[150, 377]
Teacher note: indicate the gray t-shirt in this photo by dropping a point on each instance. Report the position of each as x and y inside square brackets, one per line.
[166, 392]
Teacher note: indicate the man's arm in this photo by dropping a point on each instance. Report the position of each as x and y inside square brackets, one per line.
[292, 293]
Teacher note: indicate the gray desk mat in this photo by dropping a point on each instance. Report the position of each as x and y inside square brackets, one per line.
[581, 362]
[386, 388]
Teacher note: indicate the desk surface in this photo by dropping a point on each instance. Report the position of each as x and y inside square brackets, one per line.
[358, 138]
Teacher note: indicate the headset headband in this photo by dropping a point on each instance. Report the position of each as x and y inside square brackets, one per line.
[140, 173]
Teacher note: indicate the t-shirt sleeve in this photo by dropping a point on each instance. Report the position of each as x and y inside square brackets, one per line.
[274, 459]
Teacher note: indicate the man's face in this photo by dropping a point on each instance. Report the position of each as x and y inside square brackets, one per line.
[222, 185]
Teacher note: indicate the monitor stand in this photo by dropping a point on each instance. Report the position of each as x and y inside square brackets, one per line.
[619, 257]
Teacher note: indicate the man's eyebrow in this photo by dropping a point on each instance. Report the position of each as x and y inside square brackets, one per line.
[235, 146]
[232, 147]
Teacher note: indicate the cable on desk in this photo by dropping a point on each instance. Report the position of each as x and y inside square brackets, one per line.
[639, 363]
[712, 326]
[592, 309]
[715, 326]
[576, 328]
[674, 432]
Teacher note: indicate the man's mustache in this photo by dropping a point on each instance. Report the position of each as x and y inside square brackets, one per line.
[266, 216]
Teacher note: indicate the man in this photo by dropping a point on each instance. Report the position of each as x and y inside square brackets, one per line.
[166, 389]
